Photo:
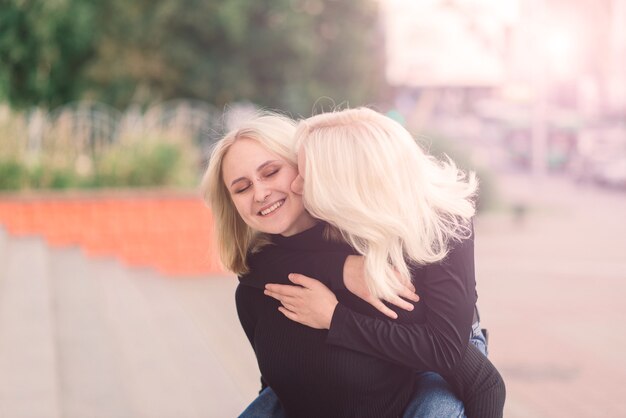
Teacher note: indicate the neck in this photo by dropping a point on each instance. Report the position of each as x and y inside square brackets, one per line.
[307, 222]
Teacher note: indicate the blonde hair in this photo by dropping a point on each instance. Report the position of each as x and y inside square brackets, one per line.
[366, 175]
[234, 237]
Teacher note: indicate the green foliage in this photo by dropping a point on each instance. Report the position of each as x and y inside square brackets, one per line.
[151, 162]
[44, 47]
[42, 176]
[66, 157]
[13, 175]
[282, 54]
[144, 162]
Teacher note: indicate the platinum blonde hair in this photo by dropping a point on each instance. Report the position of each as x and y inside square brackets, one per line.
[365, 175]
[234, 237]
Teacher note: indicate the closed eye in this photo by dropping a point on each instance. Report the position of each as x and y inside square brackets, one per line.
[272, 172]
[241, 189]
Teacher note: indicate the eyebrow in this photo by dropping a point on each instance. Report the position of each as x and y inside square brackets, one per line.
[259, 168]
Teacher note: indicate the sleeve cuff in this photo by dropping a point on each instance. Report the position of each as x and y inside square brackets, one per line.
[337, 324]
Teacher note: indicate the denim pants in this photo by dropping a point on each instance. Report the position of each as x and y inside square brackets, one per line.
[433, 396]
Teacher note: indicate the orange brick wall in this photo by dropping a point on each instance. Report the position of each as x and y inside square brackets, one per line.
[170, 232]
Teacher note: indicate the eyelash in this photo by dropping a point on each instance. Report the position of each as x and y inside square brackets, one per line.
[270, 174]
[242, 190]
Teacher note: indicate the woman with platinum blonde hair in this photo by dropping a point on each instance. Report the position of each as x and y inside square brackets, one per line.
[349, 360]
[391, 201]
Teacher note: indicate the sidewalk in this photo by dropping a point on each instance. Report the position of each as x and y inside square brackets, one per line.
[94, 338]
[551, 292]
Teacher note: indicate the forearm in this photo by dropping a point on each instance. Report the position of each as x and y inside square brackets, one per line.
[432, 337]
[479, 384]
[420, 346]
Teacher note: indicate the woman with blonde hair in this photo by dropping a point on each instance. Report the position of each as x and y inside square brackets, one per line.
[363, 365]
[392, 202]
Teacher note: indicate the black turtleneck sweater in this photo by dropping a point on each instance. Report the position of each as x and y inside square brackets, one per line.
[363, 366]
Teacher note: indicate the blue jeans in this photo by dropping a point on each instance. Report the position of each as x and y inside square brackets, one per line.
[433, 396]
[266, 405]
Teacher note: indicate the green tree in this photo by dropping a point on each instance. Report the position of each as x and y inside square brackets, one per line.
[280, 54]
[44, 47]
[346, 54]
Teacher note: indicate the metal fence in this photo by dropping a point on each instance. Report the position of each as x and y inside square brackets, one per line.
[85, 128]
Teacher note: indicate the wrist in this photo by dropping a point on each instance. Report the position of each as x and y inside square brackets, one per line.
[329, 320]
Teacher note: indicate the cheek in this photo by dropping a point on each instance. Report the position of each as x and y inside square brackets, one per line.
[298, 204]
[239, 204]
[290, 176]
[297, 186]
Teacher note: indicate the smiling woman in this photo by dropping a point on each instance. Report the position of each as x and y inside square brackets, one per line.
[259, 183]
[247, 184]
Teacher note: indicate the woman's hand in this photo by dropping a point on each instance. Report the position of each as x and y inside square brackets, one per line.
[311, 303]
[354, 279]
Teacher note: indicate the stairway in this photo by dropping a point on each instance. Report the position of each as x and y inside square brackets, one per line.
[28, 351]
[84, 337]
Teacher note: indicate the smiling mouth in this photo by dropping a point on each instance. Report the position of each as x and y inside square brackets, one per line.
[272, 208]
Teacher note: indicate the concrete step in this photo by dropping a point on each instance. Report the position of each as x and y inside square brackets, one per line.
[91, 382]
[3, 241]
[211, 304]
[4, 237]
[91, 338]
[28, 357]
[200, 323]
[150, 375]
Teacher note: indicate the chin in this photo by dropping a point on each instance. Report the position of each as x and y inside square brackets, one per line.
[272, 229]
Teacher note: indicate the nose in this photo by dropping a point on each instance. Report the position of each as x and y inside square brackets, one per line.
[261, 193]
[297, 185]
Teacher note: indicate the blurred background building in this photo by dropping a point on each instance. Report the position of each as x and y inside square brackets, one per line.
[534, 85]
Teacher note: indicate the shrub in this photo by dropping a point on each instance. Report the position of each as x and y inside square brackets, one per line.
[43, 176]
[147, 162]
[13, 174]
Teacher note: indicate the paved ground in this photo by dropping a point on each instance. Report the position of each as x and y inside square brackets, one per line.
[83, 338]
[551, 290]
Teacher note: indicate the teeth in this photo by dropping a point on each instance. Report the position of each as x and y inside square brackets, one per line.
[272, 208]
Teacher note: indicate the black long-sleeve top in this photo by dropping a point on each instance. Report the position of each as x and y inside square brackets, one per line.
[434, 336]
